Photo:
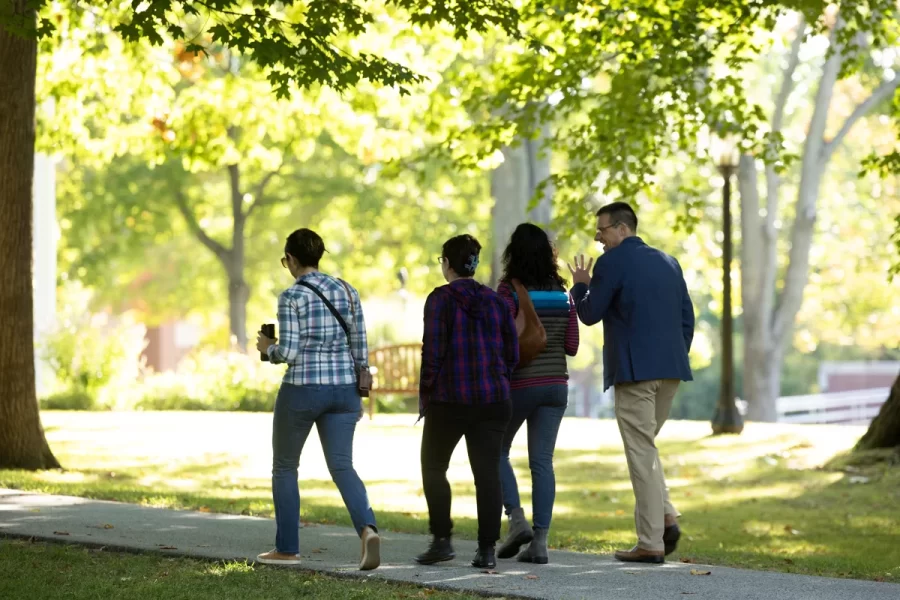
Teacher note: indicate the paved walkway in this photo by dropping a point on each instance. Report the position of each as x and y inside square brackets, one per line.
[332, 549]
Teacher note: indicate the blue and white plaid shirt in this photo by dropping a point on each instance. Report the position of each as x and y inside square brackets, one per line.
[311, 341]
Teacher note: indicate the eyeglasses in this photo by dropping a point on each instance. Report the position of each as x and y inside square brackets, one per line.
[284, 262]
[442, 259]
[602, 229]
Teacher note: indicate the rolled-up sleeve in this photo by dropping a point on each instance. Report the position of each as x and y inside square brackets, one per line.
[290, 312]
[359, 343]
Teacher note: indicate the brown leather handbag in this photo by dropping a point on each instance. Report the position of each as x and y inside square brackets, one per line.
[532, 335]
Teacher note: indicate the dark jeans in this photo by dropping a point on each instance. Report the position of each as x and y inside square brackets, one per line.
[543, 407]
[483, 427]
[334, 410]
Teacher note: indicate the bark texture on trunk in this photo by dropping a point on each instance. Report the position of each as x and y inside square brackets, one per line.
[22, 441]
[513, 185]
[884, 431]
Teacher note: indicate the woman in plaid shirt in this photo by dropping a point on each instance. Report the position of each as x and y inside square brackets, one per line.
[318, 388]
[469, 351]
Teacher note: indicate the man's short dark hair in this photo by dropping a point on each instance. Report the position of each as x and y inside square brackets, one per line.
[306, 246]
[462, 253]
[620, 212]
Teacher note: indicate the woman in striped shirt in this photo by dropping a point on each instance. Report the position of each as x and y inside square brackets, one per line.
[539, 390]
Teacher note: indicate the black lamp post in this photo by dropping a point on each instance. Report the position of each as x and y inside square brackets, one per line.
[727, 418]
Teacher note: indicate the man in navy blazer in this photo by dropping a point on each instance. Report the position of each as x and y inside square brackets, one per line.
[648, 324]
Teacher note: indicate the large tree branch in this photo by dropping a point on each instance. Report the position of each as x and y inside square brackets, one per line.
[768, 241]
[787, 82]
[797, 275]
[221, 252]
[880, 94]
[260, 198]
[237, 198]
[751, 234]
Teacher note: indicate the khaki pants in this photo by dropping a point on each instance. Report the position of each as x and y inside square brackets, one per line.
[641, 410]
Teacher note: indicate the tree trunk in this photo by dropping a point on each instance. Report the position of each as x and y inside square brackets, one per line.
[884, 431]
[238, 290]
[238, 296]
[513, 185]
[22, 441]
[769, 315]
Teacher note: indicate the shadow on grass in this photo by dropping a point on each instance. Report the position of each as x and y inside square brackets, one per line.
[745, 503]
[49, 572]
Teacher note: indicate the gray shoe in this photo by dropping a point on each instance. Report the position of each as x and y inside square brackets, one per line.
[519, 533]
[536, 552]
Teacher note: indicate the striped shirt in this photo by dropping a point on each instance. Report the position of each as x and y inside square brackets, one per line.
[559, 317]
[469, 346]
[311, 341]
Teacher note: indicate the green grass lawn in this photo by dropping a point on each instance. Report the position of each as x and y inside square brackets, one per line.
[760, 500]
[50, 571]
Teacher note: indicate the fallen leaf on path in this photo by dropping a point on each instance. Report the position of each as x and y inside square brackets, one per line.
[318, 550]
[168, 548]
[687, 560]
[491, 572]
[60, 533]
[203, 546]
[631, 572]
[108, 526]
[532, 577]
[699, 572]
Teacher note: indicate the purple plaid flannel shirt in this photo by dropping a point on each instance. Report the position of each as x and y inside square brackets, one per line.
[469, 347]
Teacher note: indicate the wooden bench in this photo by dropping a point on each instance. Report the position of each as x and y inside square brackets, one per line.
[396, 371]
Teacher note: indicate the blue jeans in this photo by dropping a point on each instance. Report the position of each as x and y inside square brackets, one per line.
[334, 409]
[543, 407]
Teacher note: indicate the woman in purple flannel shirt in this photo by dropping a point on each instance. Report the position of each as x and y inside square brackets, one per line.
[319, 388]
[540, 390]
[469, 351]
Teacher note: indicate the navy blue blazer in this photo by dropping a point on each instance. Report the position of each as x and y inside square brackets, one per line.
[648, 319]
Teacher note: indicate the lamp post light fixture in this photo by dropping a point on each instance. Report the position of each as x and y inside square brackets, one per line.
[727, 418]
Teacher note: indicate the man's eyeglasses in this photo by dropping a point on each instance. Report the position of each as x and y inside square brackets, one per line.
[602, 229]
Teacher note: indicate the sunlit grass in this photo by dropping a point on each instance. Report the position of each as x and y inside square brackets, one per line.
[759, 500]
[50, 572]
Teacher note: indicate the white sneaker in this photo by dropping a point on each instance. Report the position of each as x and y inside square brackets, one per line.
[278, 558]
[371, 550]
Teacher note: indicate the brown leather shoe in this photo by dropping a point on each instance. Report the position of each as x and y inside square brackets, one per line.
[640, 555]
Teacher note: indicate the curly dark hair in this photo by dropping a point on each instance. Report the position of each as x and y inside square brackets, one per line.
[530, 257]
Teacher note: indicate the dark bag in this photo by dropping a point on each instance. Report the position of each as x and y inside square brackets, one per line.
[363, 375]
[531, 332]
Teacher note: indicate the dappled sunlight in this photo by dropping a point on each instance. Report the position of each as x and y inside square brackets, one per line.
[753, 500]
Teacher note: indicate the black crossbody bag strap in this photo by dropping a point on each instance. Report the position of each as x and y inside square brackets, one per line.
[331, 307]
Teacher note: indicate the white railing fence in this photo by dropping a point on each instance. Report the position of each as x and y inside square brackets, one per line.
[847, 408]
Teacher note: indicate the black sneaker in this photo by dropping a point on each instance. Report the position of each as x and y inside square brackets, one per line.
[671, 535]
[484, 558]
[439, 550]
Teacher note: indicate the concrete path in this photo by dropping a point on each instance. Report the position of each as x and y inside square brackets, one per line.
[332, 549]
